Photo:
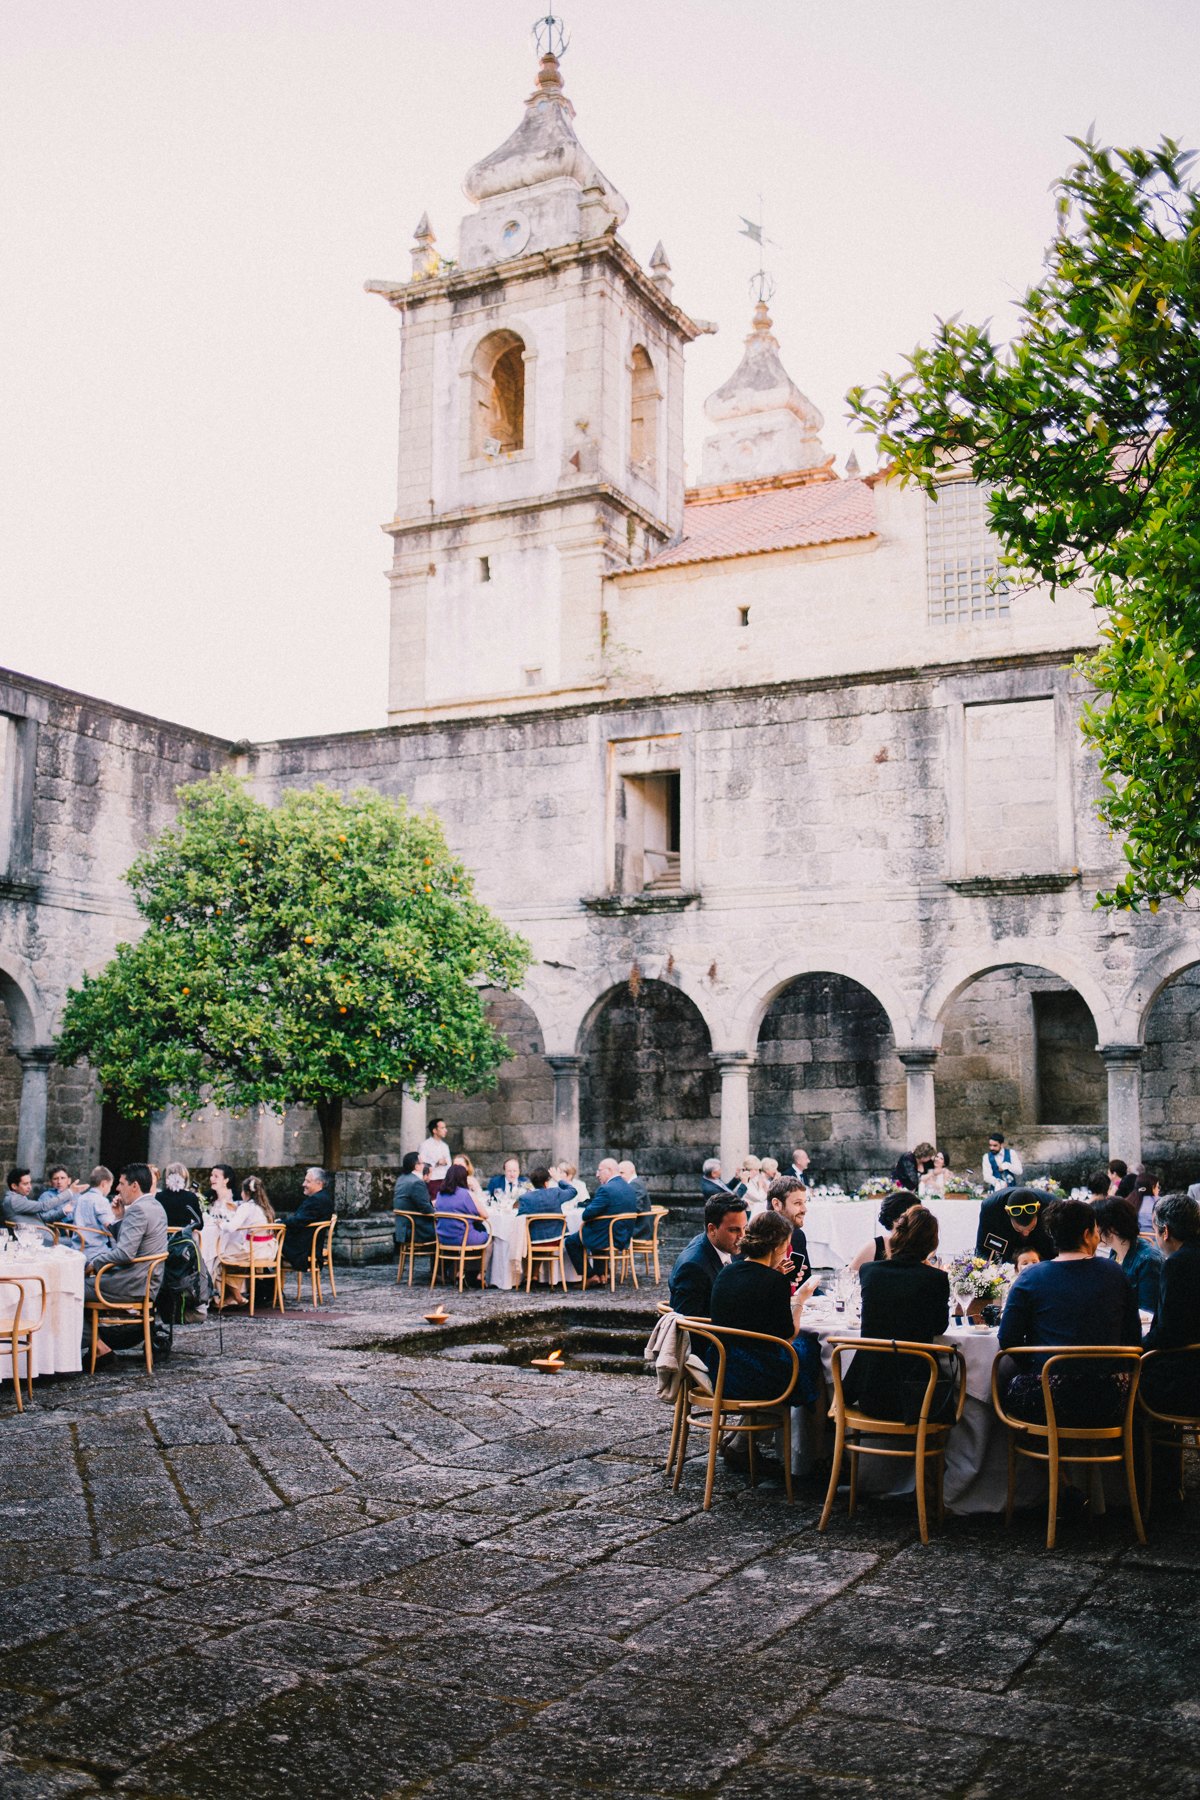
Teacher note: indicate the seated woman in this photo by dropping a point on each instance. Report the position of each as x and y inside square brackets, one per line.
[1140, 1262]
[237, 1239]
[902, 1297]
[178, 1199]
[455, 1196]
[1172, 1384]
[893, 1208]
[1075, 1298]
[933, 1177]
[755, 1294]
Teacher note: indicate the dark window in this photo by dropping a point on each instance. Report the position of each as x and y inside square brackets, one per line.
[1071, 1084]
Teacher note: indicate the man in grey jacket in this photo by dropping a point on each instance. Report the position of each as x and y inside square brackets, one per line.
[141, 1230]
[21, 1207]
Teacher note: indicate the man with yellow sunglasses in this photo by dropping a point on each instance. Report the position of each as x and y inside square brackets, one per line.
[1010, 1222]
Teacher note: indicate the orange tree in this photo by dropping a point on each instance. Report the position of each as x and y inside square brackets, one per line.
[295, 955]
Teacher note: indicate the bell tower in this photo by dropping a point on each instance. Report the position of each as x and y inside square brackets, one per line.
[541, 426]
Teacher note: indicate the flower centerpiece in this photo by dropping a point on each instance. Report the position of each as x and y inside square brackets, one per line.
[978, 1283]
[1046, 1184]
[961, 1187]
[876, 1187]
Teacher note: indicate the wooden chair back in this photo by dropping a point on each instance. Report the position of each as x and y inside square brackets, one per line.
[1180, 1426]
[410, 1245]
[256, 1267]
[462, 1251]
[647, 1248]
[616, 1255]
[125, 1311]
[715, 1413]
[17, 1335]
[1025, 1434]
[548, 1249]
[320, 1255]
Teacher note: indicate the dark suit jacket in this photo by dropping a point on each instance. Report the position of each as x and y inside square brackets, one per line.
[696, 1268]
[543, 1200]
[709, 1188]
[615, 1196]
[906, 1299]
[410, 1194]
[803, 1267]
[313, 1209]
[995, 1222]
[1177, 1321]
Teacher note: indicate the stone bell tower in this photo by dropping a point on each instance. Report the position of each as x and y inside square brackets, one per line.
[541, 428]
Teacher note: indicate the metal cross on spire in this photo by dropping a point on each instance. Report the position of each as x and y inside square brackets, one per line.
[550, 35]
[762, 285]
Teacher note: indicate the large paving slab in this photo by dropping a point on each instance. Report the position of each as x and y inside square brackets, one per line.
[292, 1562]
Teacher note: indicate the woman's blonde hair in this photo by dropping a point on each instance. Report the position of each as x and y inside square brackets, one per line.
[177, 1169]
[253, 1189]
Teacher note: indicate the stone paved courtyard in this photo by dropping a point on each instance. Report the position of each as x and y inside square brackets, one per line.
[303, 1566]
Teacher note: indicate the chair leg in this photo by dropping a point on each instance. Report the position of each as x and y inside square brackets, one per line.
[329, 1270]
[681, 1447]
[922, 1515]
[680, 1401]
[95, 1341]
[147, 1341]
[1131, 1481]
[940, 1469]
[1010, 1497]
[854, 1459]
[787, 1454]
[1052, 1513]
[16, 1369]
[839, 1444]
[1148, 1465]
[752, 1452]
[714, 1437]
[252, 1287]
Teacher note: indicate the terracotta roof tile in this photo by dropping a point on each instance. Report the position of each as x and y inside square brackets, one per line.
[820, 512]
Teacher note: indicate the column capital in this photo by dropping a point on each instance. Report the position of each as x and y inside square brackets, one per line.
[917, 1056]
[40, 1057]
[1116, 1054]
[731, 1060]
[566, 1064]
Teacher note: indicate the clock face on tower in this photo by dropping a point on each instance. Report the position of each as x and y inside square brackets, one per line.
[514, 235]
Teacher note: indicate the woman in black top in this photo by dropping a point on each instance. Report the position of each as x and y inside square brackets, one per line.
[894, 1207]
[178, 1199]
[755, 1294]
[903, 1298]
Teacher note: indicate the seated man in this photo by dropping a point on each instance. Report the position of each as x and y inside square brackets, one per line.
[314, 1209]
[710, 1179]
[540, 1197]
[93, 1210]
[508, 1185]
[20, 1207]
[1172, 1383]
[628, 1172]
[411, 1194]
[701, 1261]
[612, 1196]
[141, 1230]
[789, 1196]
[1012, 1221]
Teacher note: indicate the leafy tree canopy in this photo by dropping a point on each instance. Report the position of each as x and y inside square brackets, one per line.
[1086, 429]
[295, 954]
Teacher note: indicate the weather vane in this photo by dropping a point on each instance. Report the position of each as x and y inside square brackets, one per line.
[762, 285]
[550, 36]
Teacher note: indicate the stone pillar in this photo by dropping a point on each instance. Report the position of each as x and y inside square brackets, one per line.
[564, 1140]
[735, 1067]
[919, 1065]
[413, 1125]
[1124, 1065]
[31, 1119]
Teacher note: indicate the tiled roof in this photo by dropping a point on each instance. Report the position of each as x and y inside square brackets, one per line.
[789, 518]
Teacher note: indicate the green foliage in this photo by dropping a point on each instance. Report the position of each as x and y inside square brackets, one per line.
[1086, 429]
[294, 955]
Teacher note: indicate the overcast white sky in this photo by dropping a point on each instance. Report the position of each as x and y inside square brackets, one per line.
[198, 401]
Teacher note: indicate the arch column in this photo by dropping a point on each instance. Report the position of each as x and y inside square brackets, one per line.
[564, 1139]
[1124, 1065]
[414, 1122]
[31, 1119]
[734, 1067]
[919, 1063]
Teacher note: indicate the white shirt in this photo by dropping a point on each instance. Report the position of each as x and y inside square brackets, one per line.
[436, 1153]
[1010, 1164]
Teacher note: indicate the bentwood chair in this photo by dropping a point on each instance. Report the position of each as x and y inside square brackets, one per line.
[1024, 1436]
[461, 1252]
[412, 1247]
[16, 1335]
[1179, 1426]
[102, 1310]
[924, 1437]
[88, 1236]
[261, 1260]
[647, 1247]
[548, 1250]
[715, 1413]
[320, 1256]
[611, 1261]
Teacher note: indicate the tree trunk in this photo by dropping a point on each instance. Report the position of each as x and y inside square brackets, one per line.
[329, 1112]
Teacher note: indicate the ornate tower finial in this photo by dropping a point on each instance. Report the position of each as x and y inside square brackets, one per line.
[660, 270]
[550, 36]
[425, 259]
[852, 469]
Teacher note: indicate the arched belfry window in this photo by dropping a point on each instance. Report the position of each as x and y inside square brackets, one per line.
[498, 395]
[643, 414]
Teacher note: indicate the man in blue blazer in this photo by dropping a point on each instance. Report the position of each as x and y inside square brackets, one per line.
[611, 1196]
[314, 1209]
[700, 1262]
[540, 1197]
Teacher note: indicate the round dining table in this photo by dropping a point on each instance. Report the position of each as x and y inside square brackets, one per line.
[837, 1229]
[57, 1343]
[506, 1268]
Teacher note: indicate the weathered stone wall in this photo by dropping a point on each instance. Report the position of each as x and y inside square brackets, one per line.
[649, 1090]
[1171, 1082]
[515, 1117]
[10, 1094]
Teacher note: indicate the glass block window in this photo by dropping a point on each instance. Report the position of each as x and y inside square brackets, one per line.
[961, 558]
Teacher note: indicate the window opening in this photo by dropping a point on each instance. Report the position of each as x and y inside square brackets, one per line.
[643, 414]
[961, 558]
[743, 615]
[485, 569]
[648, 827]
[498, 396]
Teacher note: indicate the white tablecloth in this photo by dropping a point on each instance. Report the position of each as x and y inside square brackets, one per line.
[56, 1346]
[838, 1229]
[506, 1268]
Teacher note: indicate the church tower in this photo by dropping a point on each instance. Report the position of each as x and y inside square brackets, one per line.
[541, 428]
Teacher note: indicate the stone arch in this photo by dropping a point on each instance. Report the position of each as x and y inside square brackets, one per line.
[577, 1019]
[1144, 992]
[959, 972]
[826, 1076]
[517, 1114]
[1164, 1014]
[648, 1087]
[1019, 1052]
[496, 390]
[23, 1003]
[757, 998]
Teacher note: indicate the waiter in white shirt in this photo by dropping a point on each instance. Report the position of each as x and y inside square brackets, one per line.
[435, 1155]
[1001, 1166]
